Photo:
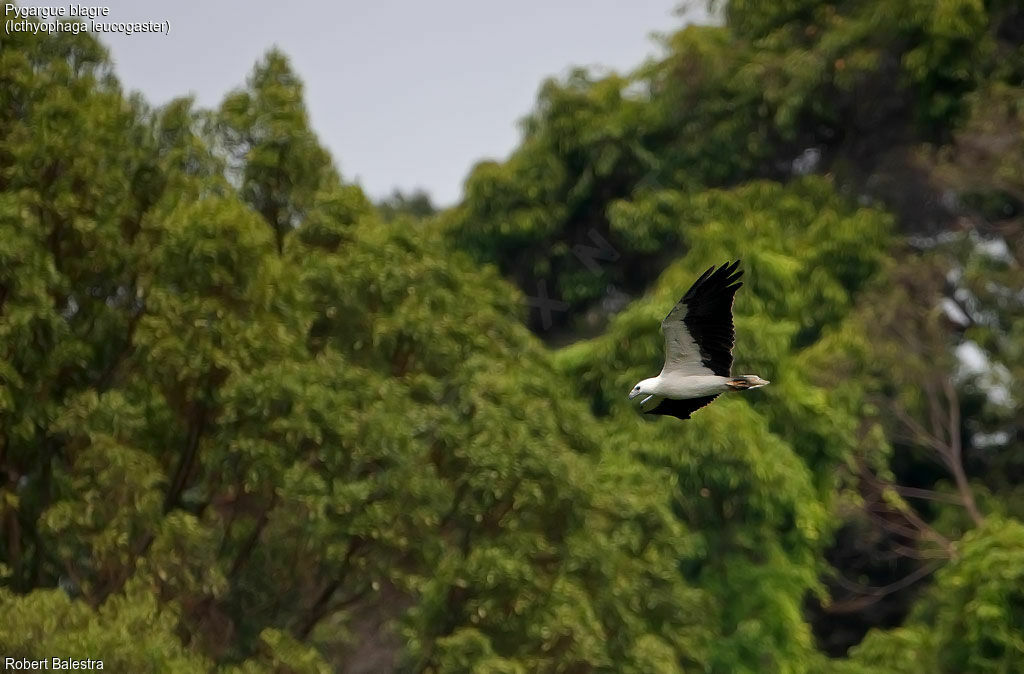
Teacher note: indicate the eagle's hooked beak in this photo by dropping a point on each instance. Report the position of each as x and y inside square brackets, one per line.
[634, 393]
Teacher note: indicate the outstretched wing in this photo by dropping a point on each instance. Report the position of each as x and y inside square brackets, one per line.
[698, 331]
[681, 408]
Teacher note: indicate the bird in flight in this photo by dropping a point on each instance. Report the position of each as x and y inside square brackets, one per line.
[698, 349]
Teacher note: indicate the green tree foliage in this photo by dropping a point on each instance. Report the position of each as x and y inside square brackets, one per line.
[852, 83]
[969, 621]
[766, 504]
[238, 423]
[275, 159]
[251, 421]
[416, 205]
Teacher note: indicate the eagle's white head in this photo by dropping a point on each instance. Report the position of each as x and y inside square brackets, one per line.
[646, 387]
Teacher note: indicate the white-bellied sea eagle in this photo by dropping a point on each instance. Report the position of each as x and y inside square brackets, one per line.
[698, 349]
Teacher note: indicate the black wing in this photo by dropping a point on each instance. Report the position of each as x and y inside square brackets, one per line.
[706, 315]
[681, 408]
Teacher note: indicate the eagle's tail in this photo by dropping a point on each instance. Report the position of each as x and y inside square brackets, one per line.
[747, 381]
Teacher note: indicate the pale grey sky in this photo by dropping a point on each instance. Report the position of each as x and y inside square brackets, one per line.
[404, 94]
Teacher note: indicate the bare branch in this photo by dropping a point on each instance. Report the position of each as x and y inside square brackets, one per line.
[884, 590]
[939, 423]
[914, 553]
[956, 454]
[903, 521]
[892, 527]
[871, 595]
[928, 495]
[919, 433]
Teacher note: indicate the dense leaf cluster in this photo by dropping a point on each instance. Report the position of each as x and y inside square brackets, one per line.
[250, 421]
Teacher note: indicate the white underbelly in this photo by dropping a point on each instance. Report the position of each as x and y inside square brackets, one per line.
[682, 386]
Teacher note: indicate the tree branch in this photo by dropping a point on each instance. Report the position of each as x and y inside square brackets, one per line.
[928, 495]
[956, 454]
[322, 606]
[871, 595]
[186, 459]
[254, 537]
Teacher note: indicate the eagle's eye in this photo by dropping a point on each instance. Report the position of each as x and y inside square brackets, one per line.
[637, 387]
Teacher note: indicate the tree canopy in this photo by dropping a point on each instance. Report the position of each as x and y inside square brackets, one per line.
[253, 421]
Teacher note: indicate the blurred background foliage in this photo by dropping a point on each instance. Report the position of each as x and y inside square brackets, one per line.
[251, 421]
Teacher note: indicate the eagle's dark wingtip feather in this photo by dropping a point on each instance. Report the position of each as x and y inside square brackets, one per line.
[703, 277]
[708, 315]
[722, 278]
